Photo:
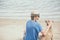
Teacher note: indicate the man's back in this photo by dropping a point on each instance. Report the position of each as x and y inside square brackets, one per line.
[32, 30]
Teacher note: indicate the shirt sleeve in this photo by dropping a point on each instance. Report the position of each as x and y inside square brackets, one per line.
[39, 28]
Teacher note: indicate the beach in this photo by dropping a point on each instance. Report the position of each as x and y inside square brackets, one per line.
[13, 29]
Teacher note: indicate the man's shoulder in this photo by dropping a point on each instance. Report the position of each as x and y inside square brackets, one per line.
[28, 21]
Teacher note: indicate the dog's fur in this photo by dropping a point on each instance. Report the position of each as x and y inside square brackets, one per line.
[49, 34]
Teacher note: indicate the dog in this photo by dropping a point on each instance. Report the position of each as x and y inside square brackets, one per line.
[49, 33]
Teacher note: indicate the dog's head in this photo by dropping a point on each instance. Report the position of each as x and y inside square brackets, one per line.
[48, 22]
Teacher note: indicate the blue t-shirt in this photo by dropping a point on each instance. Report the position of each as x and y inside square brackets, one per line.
[32, 30]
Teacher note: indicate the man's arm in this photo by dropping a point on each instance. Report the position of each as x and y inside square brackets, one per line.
[42, 33]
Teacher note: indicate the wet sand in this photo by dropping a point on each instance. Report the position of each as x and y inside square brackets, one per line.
[13, 29]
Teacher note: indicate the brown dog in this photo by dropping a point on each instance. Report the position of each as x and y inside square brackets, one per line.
[49, 34]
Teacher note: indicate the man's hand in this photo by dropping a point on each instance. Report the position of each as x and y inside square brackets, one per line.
[42, 33]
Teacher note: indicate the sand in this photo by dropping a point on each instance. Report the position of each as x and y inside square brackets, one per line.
[13, 29]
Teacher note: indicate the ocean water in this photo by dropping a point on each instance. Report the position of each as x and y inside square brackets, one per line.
[20, 9]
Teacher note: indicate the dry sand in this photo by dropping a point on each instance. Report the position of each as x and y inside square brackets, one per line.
[13, 29]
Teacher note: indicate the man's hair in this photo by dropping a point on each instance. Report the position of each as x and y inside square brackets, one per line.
[33, 15]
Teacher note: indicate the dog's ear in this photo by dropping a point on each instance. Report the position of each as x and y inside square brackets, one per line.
[45, 21]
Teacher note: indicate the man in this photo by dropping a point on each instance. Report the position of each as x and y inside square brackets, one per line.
[33, 28]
